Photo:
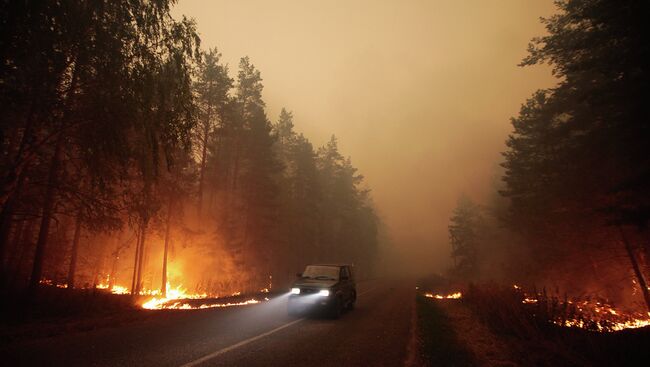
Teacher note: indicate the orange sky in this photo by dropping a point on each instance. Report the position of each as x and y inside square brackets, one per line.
[419, 93]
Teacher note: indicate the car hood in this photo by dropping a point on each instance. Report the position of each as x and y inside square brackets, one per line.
[314, 283]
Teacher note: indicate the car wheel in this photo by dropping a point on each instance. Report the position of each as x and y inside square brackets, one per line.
[352, 302]
[336, 308]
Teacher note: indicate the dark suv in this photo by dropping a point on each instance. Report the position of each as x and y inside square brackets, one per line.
[328, 287]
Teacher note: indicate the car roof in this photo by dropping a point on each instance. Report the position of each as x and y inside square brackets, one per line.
[338, 265]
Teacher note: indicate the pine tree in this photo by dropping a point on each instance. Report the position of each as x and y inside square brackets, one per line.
[465, 237]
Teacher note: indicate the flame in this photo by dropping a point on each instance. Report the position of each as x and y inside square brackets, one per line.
[163, 303]
[594, 315]
[118, 289]
[157, 303]
[52, 283]
[529, 300]
[175, 297]
[456, 295]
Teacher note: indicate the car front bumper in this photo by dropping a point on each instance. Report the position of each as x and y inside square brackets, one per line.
[300, 302]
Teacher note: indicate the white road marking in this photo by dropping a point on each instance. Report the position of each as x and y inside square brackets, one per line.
[250, 340]
[240, 344]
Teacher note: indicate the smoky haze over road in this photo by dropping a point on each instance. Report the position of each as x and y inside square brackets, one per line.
[419, 93]
[258, 335]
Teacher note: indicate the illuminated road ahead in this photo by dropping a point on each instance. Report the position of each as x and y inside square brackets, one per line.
[376, 333]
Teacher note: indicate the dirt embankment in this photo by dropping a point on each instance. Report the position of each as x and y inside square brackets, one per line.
[487, 348]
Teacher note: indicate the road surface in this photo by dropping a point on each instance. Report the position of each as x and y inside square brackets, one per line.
[376, 333]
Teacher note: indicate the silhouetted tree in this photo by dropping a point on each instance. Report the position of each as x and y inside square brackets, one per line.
[577, 160]
[465, 236]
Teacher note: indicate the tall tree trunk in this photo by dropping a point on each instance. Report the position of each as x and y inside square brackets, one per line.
[143, 233]
[6, 218]
[99, 264]
[48, 206]
[204, 154]
[14, 245]
[74, 251]
[163, 287]
[636, 267]
[22, 247]
[113, 273]
[135, 262]
[116, 258]
[216, 168]
[50, 192]
[235, 170]
[12, 178]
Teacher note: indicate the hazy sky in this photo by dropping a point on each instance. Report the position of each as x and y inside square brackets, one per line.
[419, 93]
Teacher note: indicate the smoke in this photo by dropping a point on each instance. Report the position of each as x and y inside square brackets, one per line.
[419, 93]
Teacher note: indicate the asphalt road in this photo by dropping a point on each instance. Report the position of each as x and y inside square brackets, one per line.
[375, 333]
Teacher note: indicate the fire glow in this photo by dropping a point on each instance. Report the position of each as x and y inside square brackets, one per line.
[596, 315]
[177, 298]
[456, 295]
[167, 304]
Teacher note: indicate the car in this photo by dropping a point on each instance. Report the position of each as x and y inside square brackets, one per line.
[323, 287]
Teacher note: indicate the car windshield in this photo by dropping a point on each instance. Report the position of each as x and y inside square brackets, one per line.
[321, 272]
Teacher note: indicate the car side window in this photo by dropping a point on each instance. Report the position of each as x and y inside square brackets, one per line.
[344, 272]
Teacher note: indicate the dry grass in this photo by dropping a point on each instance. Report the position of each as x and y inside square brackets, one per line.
[533, 335]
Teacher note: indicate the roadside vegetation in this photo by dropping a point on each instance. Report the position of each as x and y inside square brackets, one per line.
[132, 157]
[570, 211]
[439, 343]
[496, 324]
[536, 341]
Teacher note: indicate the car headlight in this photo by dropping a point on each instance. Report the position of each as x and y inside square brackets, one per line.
[324, 293]
[295, 290]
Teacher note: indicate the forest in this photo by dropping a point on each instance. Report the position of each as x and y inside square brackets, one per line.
[188, 183]
[134, 158]
[572, 208]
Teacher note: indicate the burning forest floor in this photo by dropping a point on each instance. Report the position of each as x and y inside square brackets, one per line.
[58, 311]
[503, 326]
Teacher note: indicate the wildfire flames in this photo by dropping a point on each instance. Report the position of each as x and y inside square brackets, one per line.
[53, 283]
[175, 299]
[456, 295]
[167, 304]
[595, 315]
[117, 289]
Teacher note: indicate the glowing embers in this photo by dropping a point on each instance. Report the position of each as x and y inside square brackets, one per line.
[167, 304]
[456, 295]
[529, 300]
[117, 289]
[178, 299]
[53, 283]
[595, 315]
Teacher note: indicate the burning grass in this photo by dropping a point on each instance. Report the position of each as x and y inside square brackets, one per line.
[591, 313]
[549, 330]
[178, 298]
[455, 295]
